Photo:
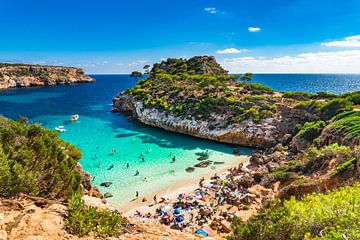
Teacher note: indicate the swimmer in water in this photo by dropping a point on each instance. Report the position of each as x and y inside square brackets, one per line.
[143, 159]
[173, 159]
[111, 167]
[127, 165]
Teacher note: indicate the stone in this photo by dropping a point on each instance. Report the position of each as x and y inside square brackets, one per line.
[106, 184]
[203, 157]
[190, 169]
[108, 195]
[226, 226]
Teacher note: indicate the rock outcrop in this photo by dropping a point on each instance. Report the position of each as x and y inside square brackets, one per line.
[22, 75]
[266, 133]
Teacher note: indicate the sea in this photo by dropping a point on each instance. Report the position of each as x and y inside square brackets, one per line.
[110, 141]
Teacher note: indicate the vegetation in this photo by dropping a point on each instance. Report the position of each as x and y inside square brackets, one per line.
[200, 88]
[334, 215]
[346, 127]
[311, 130]
[84, 220]
[136, 75]
[34, 161]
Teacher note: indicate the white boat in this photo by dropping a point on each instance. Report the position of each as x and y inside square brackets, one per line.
[74, 117]
[60, 129]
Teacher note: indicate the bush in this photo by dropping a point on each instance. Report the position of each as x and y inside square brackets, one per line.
[34, 161]
[335, 106]
[345, 166]
[257, 88]
[311, 130]
[301, 96]
[332, 214]
[82, 220]
[312, 106]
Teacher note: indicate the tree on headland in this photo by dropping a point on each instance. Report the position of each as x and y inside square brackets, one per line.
[147, 69]
[136, 75]
[247, 77]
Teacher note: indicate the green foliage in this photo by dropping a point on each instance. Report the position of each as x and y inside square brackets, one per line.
[345, 166]
[301, 96]
[311, 130]
[333, 215]
[247, 77]
[34, 161]
[311, 106]
[82, 220]
[325, 95]
[257, 88]
[319, 158]
[335, 106]
[353, 97]
[347, 127]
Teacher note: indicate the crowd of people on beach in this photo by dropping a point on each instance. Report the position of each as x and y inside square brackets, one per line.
[210, 208]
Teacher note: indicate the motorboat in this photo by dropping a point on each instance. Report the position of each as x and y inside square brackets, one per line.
[74, 117]
[60, 129]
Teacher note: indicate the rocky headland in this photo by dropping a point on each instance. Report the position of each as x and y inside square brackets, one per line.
[23, 75]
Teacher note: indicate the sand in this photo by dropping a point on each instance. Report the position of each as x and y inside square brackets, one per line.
[172, 192]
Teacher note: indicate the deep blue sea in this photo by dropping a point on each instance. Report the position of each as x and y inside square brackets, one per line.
[98, 131]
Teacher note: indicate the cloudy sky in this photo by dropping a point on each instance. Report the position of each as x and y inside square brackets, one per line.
[118, 36]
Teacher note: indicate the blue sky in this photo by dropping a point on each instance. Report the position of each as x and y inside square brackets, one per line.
[118, 36]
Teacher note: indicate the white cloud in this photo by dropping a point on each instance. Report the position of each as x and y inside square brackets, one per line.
[254, 29]
[211, 10]
[137, 63]
[231, 51]
[348, 42]
[312, 62]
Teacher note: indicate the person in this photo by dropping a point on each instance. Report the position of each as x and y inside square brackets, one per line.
[111, 167]
[201, 183]
[127, 165]
[155, 199]
[173, 159]
[137, 173]
[137, 194]
[143, 159]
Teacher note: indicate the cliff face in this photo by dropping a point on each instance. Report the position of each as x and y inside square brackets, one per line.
[266, 133]
[17, 75]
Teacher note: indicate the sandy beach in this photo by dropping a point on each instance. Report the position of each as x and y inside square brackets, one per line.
[171, 192]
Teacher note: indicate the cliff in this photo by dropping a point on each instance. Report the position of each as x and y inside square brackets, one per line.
[198, 98]
[22, 75]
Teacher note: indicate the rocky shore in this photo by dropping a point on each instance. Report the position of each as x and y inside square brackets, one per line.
[22, 75]
[264, 134]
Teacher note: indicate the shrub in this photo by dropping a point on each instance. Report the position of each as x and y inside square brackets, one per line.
[311, 130]
[82, 220]
[333, 214]
[311, 106]
[325, 95]
[34, 161]
[298, 95]
[344, 166]
[335, 106]
[257, 88]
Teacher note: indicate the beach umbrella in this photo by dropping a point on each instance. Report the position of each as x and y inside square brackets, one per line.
[179, 218]
[177, 211]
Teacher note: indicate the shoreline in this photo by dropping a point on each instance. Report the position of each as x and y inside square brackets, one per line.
[172, 191]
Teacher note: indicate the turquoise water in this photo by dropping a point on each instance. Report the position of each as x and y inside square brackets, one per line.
[98, 132]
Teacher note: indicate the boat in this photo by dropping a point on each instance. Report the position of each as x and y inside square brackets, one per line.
[60, 129]
[74, 117]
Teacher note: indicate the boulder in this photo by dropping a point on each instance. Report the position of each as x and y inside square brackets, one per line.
[106, 184]
[108, 195]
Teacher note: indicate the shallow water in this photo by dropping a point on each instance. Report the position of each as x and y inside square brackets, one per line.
[98, 132]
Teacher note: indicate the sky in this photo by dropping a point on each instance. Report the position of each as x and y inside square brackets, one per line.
[119, 36]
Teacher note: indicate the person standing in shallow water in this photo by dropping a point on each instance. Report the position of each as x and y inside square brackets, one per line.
[173, 159]
[137, 194]
[127, 165]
